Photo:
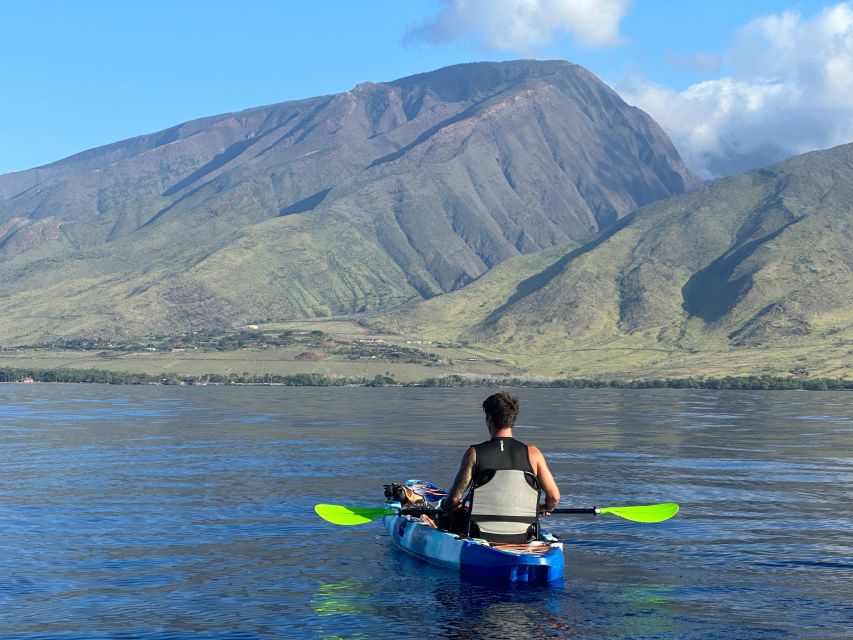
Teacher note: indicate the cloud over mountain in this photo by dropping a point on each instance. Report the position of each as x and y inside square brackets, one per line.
[519, 25]
[790, 91]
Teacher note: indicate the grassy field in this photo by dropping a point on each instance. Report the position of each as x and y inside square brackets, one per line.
[346, 348]
[365, 355]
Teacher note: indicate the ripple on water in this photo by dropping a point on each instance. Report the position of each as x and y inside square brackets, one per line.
[173, 513]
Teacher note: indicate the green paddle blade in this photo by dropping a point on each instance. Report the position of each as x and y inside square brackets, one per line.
[644, 513]
[339, 514]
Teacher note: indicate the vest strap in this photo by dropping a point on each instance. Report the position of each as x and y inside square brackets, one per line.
[493, 518]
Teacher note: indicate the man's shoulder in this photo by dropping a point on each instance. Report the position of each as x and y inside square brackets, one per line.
[534, 451]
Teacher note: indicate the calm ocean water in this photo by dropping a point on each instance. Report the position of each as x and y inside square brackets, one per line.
[149, 512]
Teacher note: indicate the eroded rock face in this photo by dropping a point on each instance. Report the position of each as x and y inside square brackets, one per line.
[20, 235]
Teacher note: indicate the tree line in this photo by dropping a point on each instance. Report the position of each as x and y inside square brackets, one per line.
[100, 376]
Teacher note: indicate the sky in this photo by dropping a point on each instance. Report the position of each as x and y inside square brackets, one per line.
[737, 84]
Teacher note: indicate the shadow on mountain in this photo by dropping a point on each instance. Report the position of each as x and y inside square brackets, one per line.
[306, 204]
[714, 291]
[540, 280]
[218, 161]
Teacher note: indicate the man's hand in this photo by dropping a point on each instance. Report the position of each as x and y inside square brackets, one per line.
[546, 509]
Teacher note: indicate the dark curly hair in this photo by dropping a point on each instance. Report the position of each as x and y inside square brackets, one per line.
[503, 408]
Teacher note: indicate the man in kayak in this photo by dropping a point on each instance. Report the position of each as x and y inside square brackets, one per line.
[502, 479]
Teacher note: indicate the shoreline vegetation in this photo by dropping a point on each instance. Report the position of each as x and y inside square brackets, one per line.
[348, 357]
[100, 376]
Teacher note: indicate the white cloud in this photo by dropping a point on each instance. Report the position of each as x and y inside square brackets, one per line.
[520, 25]
[791, 91]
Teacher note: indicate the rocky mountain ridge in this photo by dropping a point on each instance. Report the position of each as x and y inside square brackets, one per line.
[331, 205]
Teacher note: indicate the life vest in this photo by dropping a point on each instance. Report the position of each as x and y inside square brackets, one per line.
[505, 493]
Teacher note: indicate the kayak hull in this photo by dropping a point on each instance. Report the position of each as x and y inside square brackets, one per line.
[534, 563]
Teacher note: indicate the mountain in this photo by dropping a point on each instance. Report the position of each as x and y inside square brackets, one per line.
[331, 205]
[753, 273]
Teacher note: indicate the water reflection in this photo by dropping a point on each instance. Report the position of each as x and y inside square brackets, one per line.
[340, 606]
[647, 612]
[341, 598]
[474, 609]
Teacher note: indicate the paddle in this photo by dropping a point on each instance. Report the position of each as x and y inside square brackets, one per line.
[339, 514]
[640, 513]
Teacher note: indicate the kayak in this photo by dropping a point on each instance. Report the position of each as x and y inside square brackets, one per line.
[540, 561]
[405, 516]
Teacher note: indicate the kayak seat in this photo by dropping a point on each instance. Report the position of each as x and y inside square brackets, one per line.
[513, 539]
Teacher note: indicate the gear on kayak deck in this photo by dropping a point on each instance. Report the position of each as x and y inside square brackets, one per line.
[407, 497]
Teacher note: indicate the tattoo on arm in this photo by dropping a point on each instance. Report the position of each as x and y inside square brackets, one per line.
[463, 478]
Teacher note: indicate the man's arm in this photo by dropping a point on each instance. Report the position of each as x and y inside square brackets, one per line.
[546, 480]
[462, 482]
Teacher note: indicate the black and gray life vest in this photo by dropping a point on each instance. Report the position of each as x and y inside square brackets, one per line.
[505, 492]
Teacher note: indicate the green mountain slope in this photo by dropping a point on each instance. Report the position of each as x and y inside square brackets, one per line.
[752, 274]
[331, 205]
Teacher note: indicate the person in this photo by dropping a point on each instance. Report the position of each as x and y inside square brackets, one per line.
[502, 480]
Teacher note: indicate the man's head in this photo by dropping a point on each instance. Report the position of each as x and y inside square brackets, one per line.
[502, 408]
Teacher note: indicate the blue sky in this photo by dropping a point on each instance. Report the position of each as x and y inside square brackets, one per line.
[76, 75]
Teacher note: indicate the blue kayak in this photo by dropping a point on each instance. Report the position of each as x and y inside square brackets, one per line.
[540, 561]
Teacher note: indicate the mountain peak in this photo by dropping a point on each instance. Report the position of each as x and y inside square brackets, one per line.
[463, 81]
[421, 184]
